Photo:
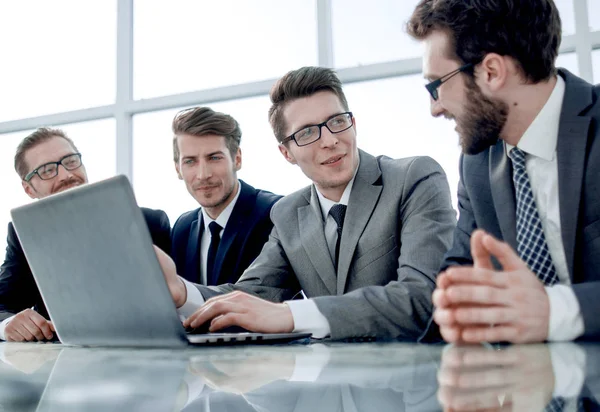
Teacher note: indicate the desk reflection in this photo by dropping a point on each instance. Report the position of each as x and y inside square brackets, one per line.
[317, 377]
[553, 377]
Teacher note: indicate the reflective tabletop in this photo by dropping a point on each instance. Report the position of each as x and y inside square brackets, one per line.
[299, 377]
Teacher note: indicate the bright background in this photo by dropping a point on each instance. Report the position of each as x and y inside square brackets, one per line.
[112, 73]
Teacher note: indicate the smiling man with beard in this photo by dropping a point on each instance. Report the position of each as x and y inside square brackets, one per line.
[47, 162]
[524, 265]
[363, 241]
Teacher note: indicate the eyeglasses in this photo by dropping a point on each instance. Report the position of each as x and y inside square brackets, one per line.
[310, 134]
[432, 87]
[49, 170]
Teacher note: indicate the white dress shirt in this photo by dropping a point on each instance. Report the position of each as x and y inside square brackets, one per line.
[539, 144]
[205, 238]
[306, 315]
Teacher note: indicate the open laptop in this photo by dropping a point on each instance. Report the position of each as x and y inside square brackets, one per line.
[92, 258]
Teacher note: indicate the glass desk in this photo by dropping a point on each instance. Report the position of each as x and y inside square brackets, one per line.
[318, 377]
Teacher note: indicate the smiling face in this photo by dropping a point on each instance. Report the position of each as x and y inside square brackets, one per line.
[479, 119]
[329, 162]
[208, 170]
[52, 150]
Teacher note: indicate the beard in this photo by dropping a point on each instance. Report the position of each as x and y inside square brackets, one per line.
[68, 184]
[482, 122]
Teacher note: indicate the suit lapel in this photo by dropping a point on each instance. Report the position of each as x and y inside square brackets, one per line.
[234, 225]
[363, 199]
[192, 254]
[503, 193]
[312, 236]
[571, 157]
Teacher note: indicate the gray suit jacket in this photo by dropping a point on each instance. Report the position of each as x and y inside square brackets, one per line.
[398, 225]
[486, 197]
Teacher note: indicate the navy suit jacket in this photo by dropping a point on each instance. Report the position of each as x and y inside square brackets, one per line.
[18, 290]
[246, 232]
[486, 197]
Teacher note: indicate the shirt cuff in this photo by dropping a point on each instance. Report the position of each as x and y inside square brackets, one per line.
[566, 321]
[308, 318]
[3, 326]
[568, 362]
[193, 300]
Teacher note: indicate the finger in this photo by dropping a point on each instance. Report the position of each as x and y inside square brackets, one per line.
[210, 310]
[444, 317]
[502, 333]
[439, 298]
[451, 334]
[477, 276]
[442, 281]
[485, 315]
[496, 377]
[230, 319]
[481, 256]
[477, 295]
[13, 335]
[33, 329]
[51, 326]
[469, 400]
[42, 324]
[505, 254]
[24, 332]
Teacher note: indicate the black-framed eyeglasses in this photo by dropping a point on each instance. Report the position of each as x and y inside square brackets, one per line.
[433, 86]
[49, 170]
[310, 134]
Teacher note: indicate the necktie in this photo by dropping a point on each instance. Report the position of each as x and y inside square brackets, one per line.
[215, 239]
[338, 212]
[531, 242]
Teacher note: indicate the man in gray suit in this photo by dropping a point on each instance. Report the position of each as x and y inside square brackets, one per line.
[529, 175]
[363, 242]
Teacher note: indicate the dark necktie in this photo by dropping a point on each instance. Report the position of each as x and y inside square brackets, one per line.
[215, 239]
[338, 212]
[531, 242]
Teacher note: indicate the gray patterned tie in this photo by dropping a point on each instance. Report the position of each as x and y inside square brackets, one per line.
[531, 242]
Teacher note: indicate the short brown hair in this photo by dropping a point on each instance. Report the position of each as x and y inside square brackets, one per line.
[41, 135]
[299, 83]
[529, 31]
[200, 121]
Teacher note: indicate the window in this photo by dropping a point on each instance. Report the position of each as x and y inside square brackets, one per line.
[596, 65]
[569, 62]
[594, 14]
[60, 57]
[202, 45]
[371, 32]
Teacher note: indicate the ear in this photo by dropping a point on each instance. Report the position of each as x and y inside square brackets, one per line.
[354, 123]
[287, 154]
[493, 72]
[237, 160]
[29, 189]
[178, 170]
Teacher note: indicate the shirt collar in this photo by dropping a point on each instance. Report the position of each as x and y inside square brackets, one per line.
[327, 204]
[225, 214]
[542, 134]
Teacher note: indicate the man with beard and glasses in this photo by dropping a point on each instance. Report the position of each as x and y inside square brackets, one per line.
[47, 162]
[525, 262]
[363, 242]
[215, 243]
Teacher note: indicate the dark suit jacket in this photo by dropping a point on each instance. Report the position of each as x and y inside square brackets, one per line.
[486, 197]
[398, 225]
[18, 290]
[246, 232]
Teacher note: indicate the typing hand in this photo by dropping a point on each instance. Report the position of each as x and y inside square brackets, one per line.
[28, 326]
[241, 309]
[519, 378]
[480, 304]
[174, 282]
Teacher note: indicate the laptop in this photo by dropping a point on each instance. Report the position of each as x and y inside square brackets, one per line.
[91, 255]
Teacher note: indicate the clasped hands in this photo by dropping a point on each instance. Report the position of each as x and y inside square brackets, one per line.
[232, 309]
[481, 304]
